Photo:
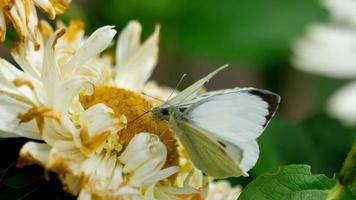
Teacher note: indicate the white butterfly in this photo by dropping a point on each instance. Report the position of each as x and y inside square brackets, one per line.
[219, 128]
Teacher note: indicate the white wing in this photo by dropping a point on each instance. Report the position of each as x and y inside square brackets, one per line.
[245, 155]
[192, 91]
[237, 116]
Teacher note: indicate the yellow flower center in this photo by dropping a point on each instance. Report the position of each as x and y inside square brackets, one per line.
[135, 108]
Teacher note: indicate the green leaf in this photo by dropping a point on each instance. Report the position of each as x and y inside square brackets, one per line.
[347, 194]
[280, 145]
[290, 182]
[353, 188]
[329, 137]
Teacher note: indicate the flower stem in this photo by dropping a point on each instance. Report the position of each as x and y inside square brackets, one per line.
[348, 170]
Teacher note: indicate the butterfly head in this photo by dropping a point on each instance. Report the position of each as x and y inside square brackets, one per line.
[165, 112]
[161, 113]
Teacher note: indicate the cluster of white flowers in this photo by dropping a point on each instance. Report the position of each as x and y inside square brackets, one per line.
[83, 110]
[330, 49]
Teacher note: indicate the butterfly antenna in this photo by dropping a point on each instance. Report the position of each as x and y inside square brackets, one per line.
[178, 84]
[139, 117]
[224, 66]
[166, 141]
[158, 99]
[164, 132]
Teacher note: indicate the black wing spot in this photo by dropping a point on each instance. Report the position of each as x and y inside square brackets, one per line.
[271, 98]
[222, 144]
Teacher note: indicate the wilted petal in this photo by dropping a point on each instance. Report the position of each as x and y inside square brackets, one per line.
[47, 7]
[2, 26]
[28, 57]
[65, 157]
[98, 124]
[34, 153]
[15, 83]
[9, 110]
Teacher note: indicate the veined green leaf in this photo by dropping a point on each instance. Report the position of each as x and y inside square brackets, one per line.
[291, 182]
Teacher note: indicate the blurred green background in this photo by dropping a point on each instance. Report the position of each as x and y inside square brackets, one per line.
[255, 38]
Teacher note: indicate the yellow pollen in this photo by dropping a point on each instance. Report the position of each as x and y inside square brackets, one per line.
[134, 107]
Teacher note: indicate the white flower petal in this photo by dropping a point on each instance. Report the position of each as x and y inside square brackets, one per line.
[165, 173]
[128, 42]
[158, 93]
[342, 10]
[51, 75]
[64, 156]
[99, 118]
[342, 104]
[222, 190]
[144, 151]
[108, 169]
[84, 195]
[17, 84]
[98, 125]
[33, 152]
[46, 6]
[70, 88]
[90, 164]
[327, 50]
[134, 64]
[94, 45]
[9, 123]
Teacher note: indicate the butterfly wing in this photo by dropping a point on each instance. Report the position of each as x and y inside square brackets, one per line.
[238, 115]
[206, 155]
[245, 155]
[192, 91]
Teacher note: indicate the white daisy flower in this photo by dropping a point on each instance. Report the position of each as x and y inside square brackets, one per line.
[97, 134]
[21, 14]
[329, 49]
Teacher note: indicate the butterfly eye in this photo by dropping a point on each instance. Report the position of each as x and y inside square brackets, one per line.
[182, 109]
